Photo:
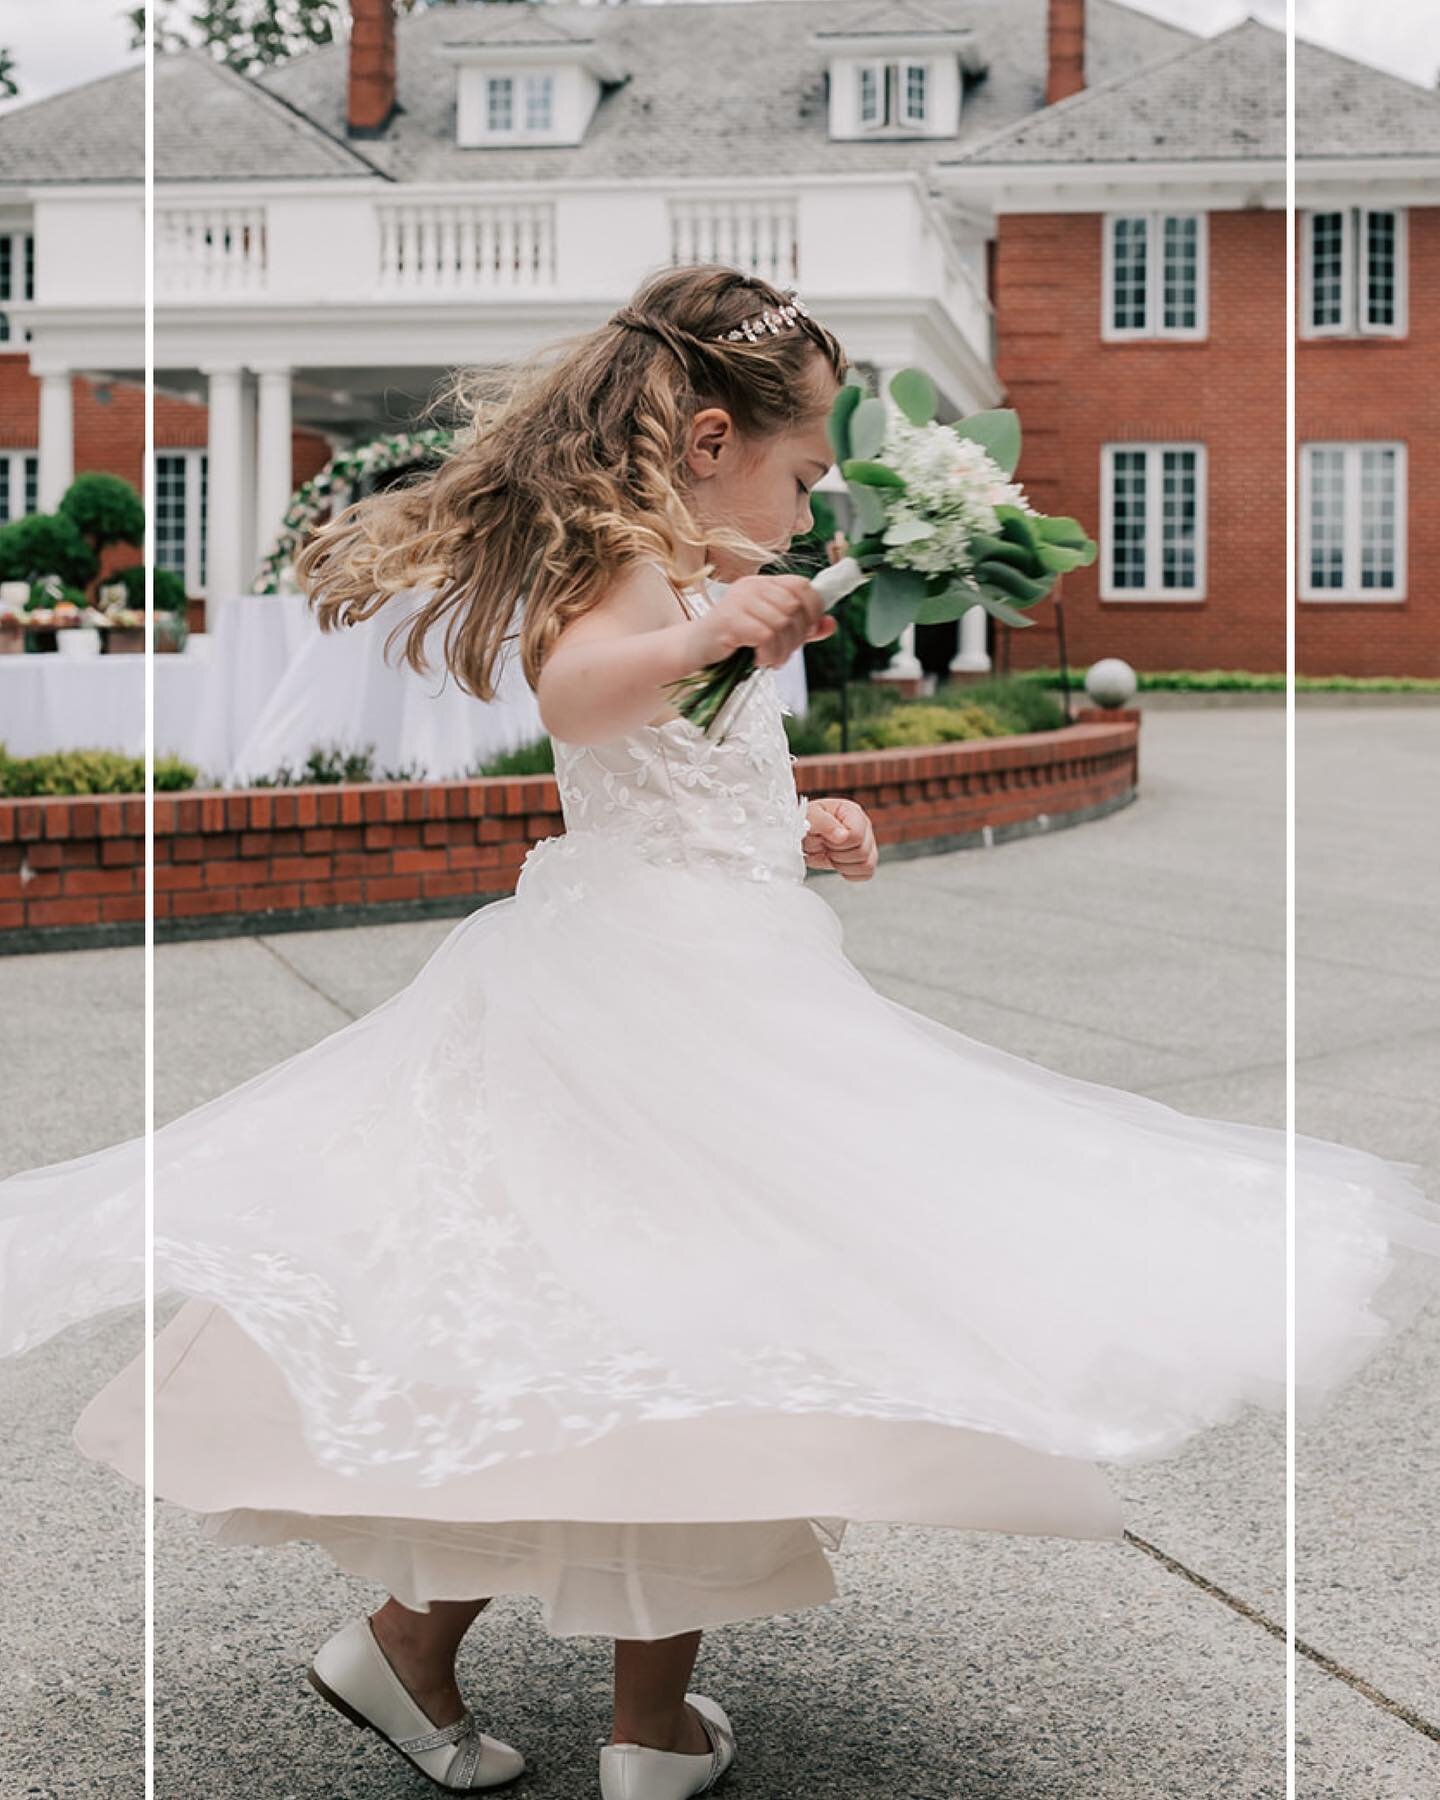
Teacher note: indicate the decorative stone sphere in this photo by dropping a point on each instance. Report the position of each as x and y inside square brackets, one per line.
[1111, 682]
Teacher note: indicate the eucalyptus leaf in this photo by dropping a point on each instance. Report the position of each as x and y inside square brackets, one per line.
[939, 609]
[871, 474]
[914, 393]
[895, 597]
[997, 432]
[1009, 581]
[841, 410]
[869, 508]
[867, 427]
[1061, 530]
[1000, 609]
[1059, 559]
[1018, 527]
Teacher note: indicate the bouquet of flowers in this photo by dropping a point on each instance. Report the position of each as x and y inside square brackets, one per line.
[942, 527]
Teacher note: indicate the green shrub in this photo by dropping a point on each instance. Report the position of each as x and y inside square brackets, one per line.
[169, 588]
[45, 544]
[916, 723]
[104, 509]
[535, 758]
[88, 772]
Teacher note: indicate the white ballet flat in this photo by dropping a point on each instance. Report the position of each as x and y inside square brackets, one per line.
[353, 1673]
[637, 1772]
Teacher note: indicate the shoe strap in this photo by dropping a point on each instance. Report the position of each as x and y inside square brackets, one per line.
[440, 1736]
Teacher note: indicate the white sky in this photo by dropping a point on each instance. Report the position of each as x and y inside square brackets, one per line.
[61, 43]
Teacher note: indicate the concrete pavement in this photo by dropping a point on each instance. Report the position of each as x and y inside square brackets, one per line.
[1144, 950]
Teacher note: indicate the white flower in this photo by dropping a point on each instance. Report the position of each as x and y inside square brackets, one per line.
[952, 487]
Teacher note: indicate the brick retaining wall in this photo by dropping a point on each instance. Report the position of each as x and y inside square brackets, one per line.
[72, 870]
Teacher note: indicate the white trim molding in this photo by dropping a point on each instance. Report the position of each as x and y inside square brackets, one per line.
[1342, 487]
[1155, 238]
[1152, 542]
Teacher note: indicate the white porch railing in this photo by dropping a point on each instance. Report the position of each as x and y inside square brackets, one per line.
[210, 250]
[757, 233]
[432, 247]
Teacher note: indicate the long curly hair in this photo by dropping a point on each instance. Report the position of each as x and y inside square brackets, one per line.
[564, 470]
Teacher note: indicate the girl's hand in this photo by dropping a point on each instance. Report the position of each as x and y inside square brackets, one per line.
[838, 547]
[775, 614]
[840, 837]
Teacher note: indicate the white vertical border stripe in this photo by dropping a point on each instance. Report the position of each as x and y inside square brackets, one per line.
[147, 482]
[1290, 611]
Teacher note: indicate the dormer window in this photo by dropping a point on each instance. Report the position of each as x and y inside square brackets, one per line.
[893, 94]
[888, 83]
[539, 85]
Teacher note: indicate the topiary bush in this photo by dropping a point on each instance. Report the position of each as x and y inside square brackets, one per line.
[43, 544]
[104, 509]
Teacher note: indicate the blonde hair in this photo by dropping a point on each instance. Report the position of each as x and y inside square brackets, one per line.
[569, 472]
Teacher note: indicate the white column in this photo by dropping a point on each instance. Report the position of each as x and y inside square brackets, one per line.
[904, 664]
[248, 435]
[275, 474]
[972, 656]
[225, 572]
[57, 438]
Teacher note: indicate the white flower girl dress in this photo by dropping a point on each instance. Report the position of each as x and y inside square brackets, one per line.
[640, 1244]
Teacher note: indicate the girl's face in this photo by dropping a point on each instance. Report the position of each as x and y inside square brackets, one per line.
[761, 487]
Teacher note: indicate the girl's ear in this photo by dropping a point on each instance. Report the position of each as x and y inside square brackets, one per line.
[712, 440]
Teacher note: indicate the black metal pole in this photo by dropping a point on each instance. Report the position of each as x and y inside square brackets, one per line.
[1064, 669]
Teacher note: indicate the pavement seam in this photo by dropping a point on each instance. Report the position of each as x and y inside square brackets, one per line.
[1367, 1690]
[314, 986]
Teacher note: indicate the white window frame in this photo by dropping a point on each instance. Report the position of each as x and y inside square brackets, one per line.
[22, 282]
[890, 85]
[1350, 588]
[536, 87]
[1154, 521]
[493, 83]
[196, 461]
[1354, 234]
[15, 461]
[1155, 326]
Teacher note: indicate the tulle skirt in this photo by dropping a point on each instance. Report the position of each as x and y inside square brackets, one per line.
[639, 1244]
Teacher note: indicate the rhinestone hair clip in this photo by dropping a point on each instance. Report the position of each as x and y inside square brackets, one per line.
[773, 320]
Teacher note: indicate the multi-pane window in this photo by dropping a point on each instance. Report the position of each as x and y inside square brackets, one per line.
[181, 492]
[539, 102]
[1352, 521]
[1153, 522]
[1154, 275]
[1354, 268]
[17, 276]
[19, 484]
[519, 102]
[893, 93]
[500, 103]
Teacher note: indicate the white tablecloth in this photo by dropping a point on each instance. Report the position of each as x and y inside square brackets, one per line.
[264, 686]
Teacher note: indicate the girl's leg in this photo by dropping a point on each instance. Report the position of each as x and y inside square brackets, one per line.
[421, 1648]
[651, 1676]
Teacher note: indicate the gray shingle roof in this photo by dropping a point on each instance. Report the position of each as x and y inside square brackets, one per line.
[94, 132]
[210, 125]
[1222, 99]
[714, 90]
[1346, 108]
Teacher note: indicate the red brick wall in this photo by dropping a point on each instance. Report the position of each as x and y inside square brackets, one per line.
[1075, 392]
[252, 858]
[110, 432]
[1374, 387]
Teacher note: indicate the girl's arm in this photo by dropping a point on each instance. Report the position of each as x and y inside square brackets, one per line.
[607, 672]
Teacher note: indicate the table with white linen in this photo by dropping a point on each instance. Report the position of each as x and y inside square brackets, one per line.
[265, 686]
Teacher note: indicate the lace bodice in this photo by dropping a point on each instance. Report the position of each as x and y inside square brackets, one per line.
[682, 799]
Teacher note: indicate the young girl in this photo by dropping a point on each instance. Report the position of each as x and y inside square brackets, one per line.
[639, 1244]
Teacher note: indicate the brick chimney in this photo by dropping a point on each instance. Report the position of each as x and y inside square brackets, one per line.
[370, 92]
[1066, 50]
